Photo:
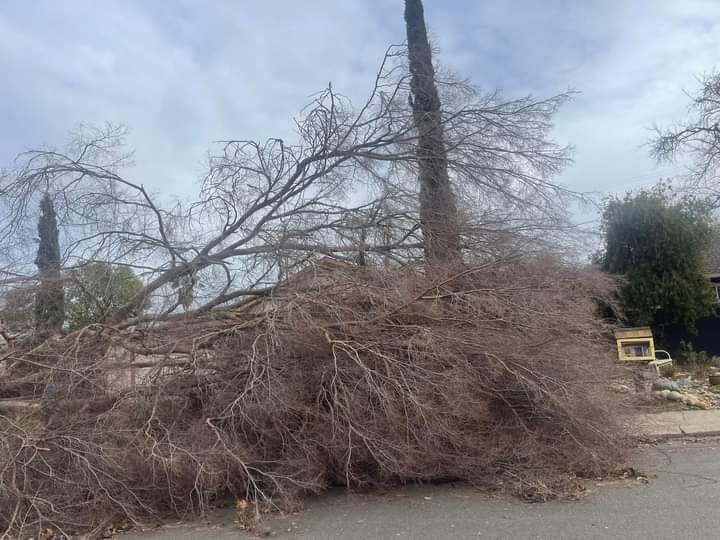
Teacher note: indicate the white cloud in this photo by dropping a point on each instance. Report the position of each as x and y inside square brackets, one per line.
[183, 74]
[636, 80]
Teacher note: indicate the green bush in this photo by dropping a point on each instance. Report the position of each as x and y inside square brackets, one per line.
[97, 291]
[657, 239]
[689, 356]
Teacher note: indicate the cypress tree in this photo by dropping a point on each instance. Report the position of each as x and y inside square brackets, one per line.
[50, 296]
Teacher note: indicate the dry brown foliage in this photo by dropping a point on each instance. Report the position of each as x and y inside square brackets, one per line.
[359, 377]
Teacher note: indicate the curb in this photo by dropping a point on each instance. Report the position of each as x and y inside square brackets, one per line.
[675, 436]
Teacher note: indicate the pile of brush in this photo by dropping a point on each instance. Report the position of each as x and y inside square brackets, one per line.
[359, 377]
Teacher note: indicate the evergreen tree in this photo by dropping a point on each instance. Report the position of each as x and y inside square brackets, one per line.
[97, 291]
[657, 242]
[50, 296]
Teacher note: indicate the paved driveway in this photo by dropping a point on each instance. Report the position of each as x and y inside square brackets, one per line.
[681, 501]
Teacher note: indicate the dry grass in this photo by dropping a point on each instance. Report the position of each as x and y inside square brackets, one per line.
[362, 377]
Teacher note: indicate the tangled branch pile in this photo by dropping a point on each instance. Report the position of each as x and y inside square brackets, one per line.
[359, 377]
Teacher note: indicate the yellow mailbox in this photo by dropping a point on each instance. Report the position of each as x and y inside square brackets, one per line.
[635, 344]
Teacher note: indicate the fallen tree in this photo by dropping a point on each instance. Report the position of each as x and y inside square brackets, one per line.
[345, 374]
[344, 185]
[257, 371]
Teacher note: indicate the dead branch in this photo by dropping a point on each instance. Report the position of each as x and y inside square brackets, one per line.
[360, 375]
[265, 209]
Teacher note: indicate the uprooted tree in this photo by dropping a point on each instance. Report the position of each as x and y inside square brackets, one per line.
[350, 375]
[264, 208]
[271, 364]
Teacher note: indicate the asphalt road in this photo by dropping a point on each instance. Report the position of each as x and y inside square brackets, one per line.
[680, 501]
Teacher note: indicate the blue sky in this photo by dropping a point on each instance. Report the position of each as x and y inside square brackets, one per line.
[181, 73]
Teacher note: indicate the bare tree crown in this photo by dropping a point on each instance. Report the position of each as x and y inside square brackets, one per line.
[344, 186]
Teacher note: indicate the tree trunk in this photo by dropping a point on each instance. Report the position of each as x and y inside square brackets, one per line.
[438, 212]
[50, 295]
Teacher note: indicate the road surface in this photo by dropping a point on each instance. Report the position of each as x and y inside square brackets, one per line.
[680, 501]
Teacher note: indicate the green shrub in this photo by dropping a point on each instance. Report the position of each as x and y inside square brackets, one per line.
[688, 355]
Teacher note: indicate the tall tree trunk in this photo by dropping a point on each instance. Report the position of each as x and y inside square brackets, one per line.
[438, 212]
[50, 296]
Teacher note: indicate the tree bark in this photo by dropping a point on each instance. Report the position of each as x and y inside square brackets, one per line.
[438, 211]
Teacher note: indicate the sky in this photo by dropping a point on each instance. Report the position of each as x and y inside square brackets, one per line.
[182, 74]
